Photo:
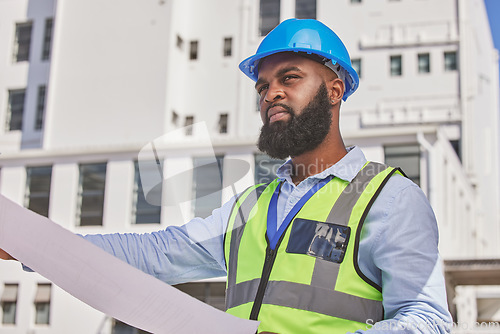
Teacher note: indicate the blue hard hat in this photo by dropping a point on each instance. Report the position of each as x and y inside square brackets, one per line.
[308, 36]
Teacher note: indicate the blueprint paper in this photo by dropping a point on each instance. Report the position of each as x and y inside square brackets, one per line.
[105, 282]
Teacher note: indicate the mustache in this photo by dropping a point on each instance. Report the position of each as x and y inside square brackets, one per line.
[284, 106]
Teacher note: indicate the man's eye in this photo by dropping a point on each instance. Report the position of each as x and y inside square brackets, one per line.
[289, 77]
[261, 89]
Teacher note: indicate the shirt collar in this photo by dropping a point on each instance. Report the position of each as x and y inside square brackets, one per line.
[346, 168]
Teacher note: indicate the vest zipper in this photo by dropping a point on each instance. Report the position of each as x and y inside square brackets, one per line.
[266, 272]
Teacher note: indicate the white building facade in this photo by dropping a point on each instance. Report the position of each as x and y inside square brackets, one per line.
[86, 85]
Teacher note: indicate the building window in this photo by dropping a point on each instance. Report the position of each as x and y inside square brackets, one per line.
[356, 64]
[396, 66]
[47, 39]
[223, 123]
[175, 118]
[193, 50]
[407, 157]
[212, 293]
[207, 185]
[228, 46]
[147, 211]
[188, 124]
[123, 328]
[424, 63]
[9, 304]
[269, 15]
[180, 42]
[38, 189]
[265, 168]
[40, 107]
[450, 61]
[22, 41]
[91, 194]
[457, 147]
[42, 304]
[15, 112]
[305, 9]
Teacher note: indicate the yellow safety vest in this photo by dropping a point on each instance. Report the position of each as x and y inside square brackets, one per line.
[310, 282]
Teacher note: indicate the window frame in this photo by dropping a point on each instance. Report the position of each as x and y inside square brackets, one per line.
[305, 4]
[90, 193]
[10, 295]
[47, 39]
[269, 15]
[223, 123]
[17, 112]
[392, 72]
[194, 50]
[22, 43]
[427, 69]
[208, 194]
[227, 49]
[446, 56]
[139, 196]
[42, 302]
[41, 101]
[30, 195]
[405, 151]
[188, 125]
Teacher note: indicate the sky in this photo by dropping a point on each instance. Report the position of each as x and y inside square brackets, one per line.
[493, 9]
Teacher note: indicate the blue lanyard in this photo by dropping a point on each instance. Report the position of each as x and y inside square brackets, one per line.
[272, 211]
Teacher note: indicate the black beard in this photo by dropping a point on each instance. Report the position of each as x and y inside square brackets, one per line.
[301, 133]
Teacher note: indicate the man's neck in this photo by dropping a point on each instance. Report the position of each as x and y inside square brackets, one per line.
[315, 161]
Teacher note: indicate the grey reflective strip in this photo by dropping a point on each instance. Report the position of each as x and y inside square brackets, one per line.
[341, 210]
[325, 272]
[242, 293]
[238, 228]
[310, 298]
[328, 302]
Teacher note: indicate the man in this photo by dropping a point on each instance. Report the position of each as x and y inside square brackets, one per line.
[334, 244]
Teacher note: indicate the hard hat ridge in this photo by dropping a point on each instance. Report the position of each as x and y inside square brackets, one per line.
[310, 37]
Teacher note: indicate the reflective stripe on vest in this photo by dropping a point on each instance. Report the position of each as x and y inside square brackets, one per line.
[325, 293]
[239, 216]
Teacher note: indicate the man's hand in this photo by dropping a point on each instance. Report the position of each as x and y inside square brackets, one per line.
[5, 256]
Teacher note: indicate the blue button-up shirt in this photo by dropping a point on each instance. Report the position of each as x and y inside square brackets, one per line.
[398, 249]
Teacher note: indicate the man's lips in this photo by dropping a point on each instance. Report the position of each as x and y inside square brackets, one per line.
[276, 113]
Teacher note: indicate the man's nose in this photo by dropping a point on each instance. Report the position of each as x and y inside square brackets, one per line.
[274, 93]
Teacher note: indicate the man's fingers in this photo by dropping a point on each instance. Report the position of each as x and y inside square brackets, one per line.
[5, 256]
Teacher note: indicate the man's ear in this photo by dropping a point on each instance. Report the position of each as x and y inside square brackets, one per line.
[336, 89]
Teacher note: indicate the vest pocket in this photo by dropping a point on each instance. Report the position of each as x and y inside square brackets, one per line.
[322, 240]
